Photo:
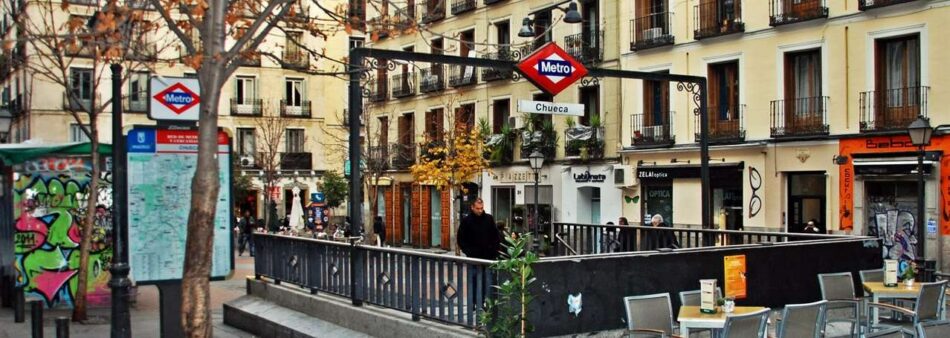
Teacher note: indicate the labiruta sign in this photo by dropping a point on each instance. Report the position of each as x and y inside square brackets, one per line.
[551, 69]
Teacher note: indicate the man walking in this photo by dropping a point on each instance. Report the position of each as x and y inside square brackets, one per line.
[247, 231]
[478, 235]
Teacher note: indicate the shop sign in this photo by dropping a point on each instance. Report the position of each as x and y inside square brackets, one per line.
[727, 170]
[517, 177]
[586, 176]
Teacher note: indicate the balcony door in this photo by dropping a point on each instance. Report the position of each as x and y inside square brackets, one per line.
[897, 79]
[245, 90]
[656, 110]
[724, 110]
[803, 103]
[293, 95]
[651, 14]
[591, 32]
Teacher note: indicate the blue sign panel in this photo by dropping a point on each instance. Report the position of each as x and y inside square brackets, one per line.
[554, 68]
[141, 141]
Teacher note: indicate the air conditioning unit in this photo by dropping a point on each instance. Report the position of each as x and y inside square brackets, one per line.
[623, 176]
[247, 161]
[653, 33]
[515, 122]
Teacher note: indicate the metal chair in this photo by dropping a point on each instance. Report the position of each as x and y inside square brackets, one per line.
[843, 306]
[928, 308]
[692, 297]
[894, 332]
[802, 320]
[649, 314]
[750, 325]
[875, 275]
[936, 329]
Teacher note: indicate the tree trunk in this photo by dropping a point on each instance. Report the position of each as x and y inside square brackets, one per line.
[87, 224]
[196, 310]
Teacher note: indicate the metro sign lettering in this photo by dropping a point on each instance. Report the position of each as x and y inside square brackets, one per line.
[551, 69]
[177, 98]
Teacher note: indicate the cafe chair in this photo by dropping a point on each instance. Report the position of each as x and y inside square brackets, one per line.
[877, 275]
[843, 306]
[802, 320]
[693, 297]
[649, 315]
[935, 329]
[750, 325]
[894, 332]
[927, 308]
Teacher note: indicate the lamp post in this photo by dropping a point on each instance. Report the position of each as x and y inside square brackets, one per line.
[536, 160]
[571, 15]
[920, 132]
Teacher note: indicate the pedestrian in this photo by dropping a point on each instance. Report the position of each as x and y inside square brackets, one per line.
[478, 235]
[812, 227]
[610, 241]
[379, 228]
[246, 226]
[625, 236]
[659, 239]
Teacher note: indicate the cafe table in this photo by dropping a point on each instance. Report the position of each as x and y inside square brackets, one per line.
[691, 318]
[878, 291]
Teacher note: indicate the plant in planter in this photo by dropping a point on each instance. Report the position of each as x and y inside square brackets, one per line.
[507, 314]
[909, 274]
[595, 145]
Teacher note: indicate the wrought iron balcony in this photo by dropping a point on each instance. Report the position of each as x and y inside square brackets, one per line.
[378, 158]
[892, 109]
[725, 125]
[805, 116]
[787, 12]
[296, 161]
[403, 155]
[72, 103]
[714, 18]
[404, 84]
[537, 140]
[432, 79]
[492, 74]
[144, 51]
[253, 60]
[651, 31]
[584, 141]
[462, 6]
[586, 47]
[463, 76]
[378, 90]
[247, 107]
[296, 60]
[432, 10]
[137, 102]
[489, 2]
[302, 109]
[658, 131]
[871, 4]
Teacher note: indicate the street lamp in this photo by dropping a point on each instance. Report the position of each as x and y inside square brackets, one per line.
[571, 15]
[920, 132]
[536, 160]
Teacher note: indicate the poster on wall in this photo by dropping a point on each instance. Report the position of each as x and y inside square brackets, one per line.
[735, 269]
[161, 164]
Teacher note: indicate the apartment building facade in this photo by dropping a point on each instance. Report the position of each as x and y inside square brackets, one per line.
[273, 85]
[409, 105]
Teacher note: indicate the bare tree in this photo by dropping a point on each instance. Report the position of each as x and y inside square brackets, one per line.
[272, 129]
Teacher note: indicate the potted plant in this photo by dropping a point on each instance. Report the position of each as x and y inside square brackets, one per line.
[909, 275]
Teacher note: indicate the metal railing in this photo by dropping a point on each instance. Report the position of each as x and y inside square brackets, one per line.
[871, 4]
[301, 109]
[378, 90]
[800, 117]
[463, 76]
[378, 158]
[462, 6]
[432, 10]
[139, 4]
[404, 84]
[594, 145]
[144, 51]
[248, 107]
[492, 74]
[716, 17]
[403, 155]
[892, 109]
[80, 49]
[253, 60]
[725, 126]
[784, 12]
[85, 2]
[296, 161]
[655, 133]
[586, 47]
[137, 102]
[296, 59]
[77, 104]
[583, 239]
[432, 79]
[651, 31]
[489, 2]
[444, 288]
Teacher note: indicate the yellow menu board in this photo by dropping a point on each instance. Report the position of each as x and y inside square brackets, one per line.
[735, 276]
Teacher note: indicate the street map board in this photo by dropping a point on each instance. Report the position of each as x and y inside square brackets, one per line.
[161, 163]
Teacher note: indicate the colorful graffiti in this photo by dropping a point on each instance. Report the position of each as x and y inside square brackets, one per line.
[896, 228]
[50, 199]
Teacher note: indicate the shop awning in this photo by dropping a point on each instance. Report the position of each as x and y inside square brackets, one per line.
[11, 154]
[890, 166]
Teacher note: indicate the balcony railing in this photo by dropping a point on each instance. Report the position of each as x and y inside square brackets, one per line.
[432, 79]
[248, 107]
[657, 132]
[70, 102]
[378, 90]
[716, 17]
[463, 76]
[462, 6]
[489, 2]
[586, 47]
[346, 117]
[297, 60]
[137, 102]
[784, 12]
[871, 4]
[805, 116]
[144, 51]
[404, 18]
[651, 31]
[433, 11]
[403, 155]
[584, 141]
[892, 109]
[301, 109]
[404, 84]
[85, 2]
[296, 161]
[378, 158]
[249, 61]
[138, 4]
[80, 49]
[725, 126]
[492, 74]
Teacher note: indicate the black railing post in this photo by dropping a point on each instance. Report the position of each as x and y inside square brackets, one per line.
[36, 317]
[62, 327]
[18, 305]
[415, 289]
[357, 272]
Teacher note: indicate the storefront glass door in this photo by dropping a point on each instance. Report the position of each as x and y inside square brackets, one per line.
[659, 200]
[806, 201]
[435, 216]
[503, 198]
[891, 215]
[406, 214]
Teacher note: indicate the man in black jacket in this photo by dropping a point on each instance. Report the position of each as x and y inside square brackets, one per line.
[478, 235]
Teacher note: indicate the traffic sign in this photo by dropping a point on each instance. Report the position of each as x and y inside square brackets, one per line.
[175, 99]
[551, 69]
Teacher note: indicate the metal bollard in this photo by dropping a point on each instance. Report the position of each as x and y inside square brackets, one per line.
[18, 304]
[62, 327]
[36, 317]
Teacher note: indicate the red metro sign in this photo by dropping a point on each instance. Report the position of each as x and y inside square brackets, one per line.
[177, 98]
[551, 69]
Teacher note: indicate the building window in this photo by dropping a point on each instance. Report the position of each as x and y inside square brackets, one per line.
[246, 143]
[503, 201]
[542, 28]
[803, 74]
[501, 110]
[77, 133]
[138, 92]
[897, 72]
[503, 34]
[465, 117]
[293, 93]
[357, 42]
[656, 102]
[725, 121]
[81, 81]
[590, 98]
[245, 90]
[295, 140]
[406, 129]
[434, 124]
